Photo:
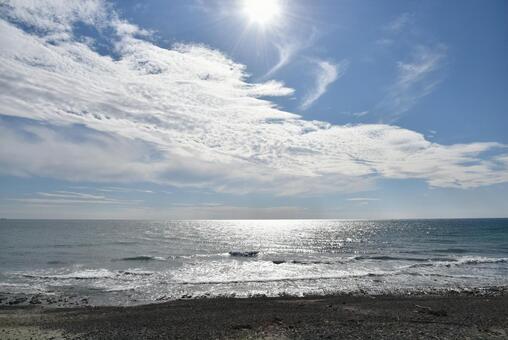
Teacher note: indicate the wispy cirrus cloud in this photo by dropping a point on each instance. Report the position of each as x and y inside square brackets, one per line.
[360, 113]
[400, 22]
[286, 53]
[416, 78]
[124, 190]
[70, 198]
[288, 49]
[71, 194]
[189, 117]
[325, 74]
[362, 199]
[417, 75]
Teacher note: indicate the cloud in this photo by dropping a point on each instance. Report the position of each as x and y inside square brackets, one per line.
[326, 73]
[189, 117]
[416, 79]
[54, 18]
[287, 49]
[400, 22]
[69, 198]
[362, 199]
[360, 114]
[123, 190]
[71, 194]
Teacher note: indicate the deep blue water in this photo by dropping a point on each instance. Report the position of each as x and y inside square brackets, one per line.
[122, 262]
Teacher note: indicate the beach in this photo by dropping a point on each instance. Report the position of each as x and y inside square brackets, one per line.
[446, 316]
[294, 279]
[253, 169]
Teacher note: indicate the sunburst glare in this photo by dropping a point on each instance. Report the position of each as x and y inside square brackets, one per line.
[262, 12]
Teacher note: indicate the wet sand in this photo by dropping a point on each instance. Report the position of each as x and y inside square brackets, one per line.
[448, 316]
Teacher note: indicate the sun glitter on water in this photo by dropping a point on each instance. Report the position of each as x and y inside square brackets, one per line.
[262, 12]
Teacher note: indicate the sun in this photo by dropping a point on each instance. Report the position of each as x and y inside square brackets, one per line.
[262, 12]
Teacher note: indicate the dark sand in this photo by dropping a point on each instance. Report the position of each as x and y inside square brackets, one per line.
[330, 317]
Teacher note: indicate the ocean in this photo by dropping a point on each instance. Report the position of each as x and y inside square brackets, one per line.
[125, 262]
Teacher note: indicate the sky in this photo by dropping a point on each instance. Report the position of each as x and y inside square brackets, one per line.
[245, 109]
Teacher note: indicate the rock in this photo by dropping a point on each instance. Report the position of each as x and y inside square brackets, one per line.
[428, 310]
[278, 261]
[240, 327]
[497, 331]
[35, 300]
[277, 320]
[17, 300]
[440, 312]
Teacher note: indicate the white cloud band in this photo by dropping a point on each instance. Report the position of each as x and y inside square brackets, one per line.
[187, 116]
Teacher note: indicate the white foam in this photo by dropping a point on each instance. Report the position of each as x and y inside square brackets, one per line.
[78, 275]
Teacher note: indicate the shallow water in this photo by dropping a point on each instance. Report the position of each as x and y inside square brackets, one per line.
[126, 262]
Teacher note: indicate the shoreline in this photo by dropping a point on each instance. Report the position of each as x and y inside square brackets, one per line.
[333, 316]
[69, 299]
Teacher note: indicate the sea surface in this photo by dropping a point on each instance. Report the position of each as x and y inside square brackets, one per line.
[132, 262]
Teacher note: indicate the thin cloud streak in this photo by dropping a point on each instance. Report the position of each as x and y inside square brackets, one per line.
[400, 22]
[288, 49]
[360, 114]
[362, 199]
[286, 52]
[326, 74]
[67, 197]
[416, 79]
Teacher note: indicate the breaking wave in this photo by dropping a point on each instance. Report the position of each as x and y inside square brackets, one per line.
[141, 258]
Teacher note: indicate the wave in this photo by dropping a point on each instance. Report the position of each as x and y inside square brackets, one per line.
[244, 253]
[480, 260]
[302, 262]
[462, 262]
[452, 250]
[194, 256]
[12, 284]
[364, 257]
[283, 279]
[345, 276]
[56, 262]
[141, 258]
[88, 274]
[402, 258]
[429, 261]
[136, 272]
[421, 262]
[88, 245]
[120, 288]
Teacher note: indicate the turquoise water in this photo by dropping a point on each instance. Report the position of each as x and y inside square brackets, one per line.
[125, 262]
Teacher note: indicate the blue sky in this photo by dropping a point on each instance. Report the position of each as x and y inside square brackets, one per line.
[195, 109]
